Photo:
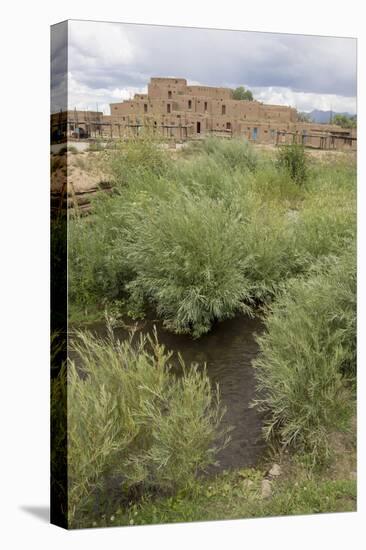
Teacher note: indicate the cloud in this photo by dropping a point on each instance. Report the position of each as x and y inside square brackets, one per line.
[305, 101]
[306, 70]
[59, 67]
[83, 97]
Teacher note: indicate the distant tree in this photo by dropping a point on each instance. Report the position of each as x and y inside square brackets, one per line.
[304, 117]
[345, 121]
[242, 93]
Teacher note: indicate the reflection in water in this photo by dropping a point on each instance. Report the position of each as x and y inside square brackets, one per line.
[228, 351]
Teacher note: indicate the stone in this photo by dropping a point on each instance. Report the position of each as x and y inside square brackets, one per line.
[275, 471]
[266, 489]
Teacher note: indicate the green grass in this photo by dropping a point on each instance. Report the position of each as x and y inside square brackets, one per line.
[237, 495]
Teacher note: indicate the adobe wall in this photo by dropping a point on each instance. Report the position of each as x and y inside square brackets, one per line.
[174, 109]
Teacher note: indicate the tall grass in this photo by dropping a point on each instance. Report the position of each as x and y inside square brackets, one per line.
[131, 418]
[232, 154]
[308, 357]
[292, 158]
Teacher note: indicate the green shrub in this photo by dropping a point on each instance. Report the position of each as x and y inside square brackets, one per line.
[188, 260]
[129, 416]
[293, 159]
[233, 154]
[307, 354]
[134, 159]
[325, 225]
[94, 272]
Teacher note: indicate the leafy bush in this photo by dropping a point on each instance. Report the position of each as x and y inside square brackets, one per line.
[94, 272]
[188, 260]
[323, 229]
[292, 158]
[129, 416]
[307, 353]
[232, 154]
[133, 159]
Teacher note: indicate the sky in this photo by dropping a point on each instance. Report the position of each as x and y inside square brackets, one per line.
[110, 62]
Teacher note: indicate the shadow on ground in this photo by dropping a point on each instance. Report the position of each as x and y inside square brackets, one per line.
[40, 512]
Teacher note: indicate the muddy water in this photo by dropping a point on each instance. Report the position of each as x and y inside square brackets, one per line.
[228, 351]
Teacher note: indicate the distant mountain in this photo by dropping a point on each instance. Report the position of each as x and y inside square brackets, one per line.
[323, 117]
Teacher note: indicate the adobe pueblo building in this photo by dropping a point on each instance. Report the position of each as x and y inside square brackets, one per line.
[176, 110]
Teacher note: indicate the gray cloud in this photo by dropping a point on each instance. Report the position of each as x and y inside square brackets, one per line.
[118, 56]
[59, 44]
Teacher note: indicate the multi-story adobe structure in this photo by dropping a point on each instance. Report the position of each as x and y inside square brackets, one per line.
[180, 111]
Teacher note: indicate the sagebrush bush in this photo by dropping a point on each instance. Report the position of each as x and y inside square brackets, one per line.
[188, 260]
[133, 159]
[293, 159]
[233, 154]
[308, 355]
[131, 417]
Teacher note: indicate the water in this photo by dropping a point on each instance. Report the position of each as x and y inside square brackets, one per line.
[228, 351]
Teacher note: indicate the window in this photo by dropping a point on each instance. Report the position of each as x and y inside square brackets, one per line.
[228, 126]
[169, 94]
[145, 107]
[223, 109]
[168, 108]
[205, 105]
[189, 104]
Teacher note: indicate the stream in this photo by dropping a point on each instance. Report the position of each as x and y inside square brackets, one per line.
[228, 351]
